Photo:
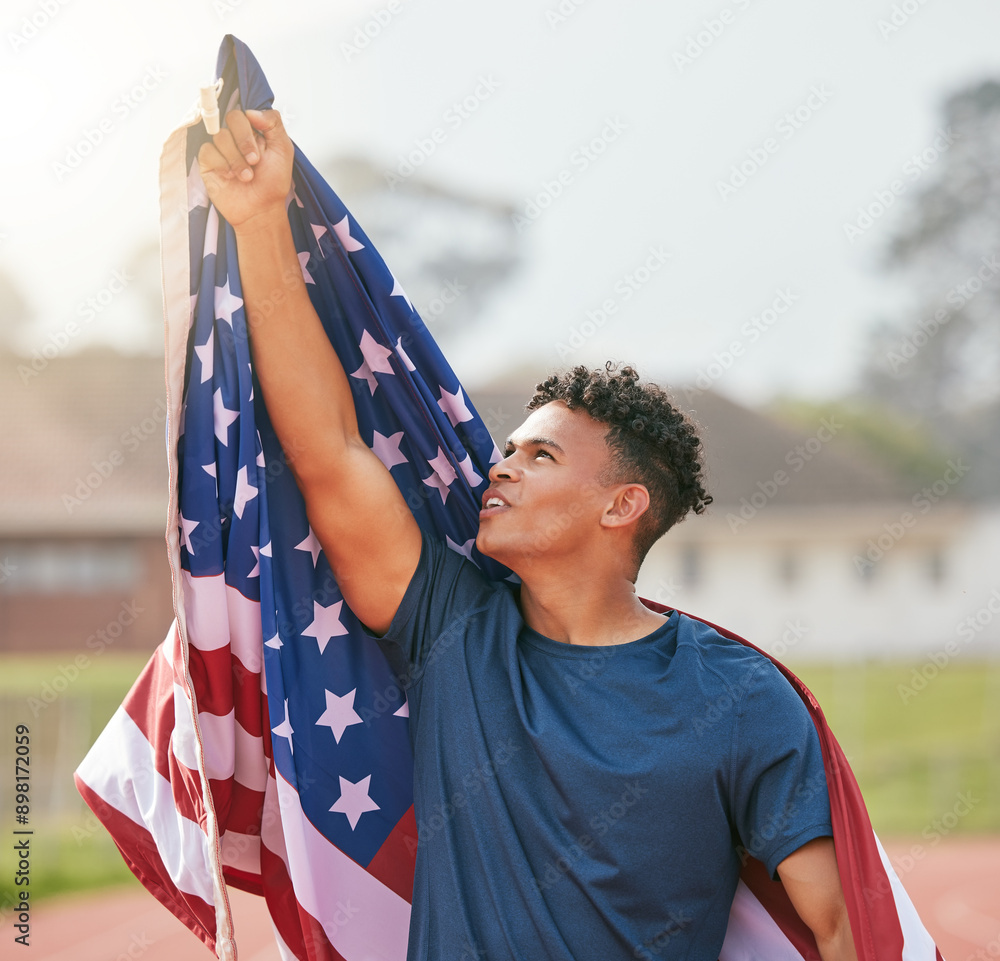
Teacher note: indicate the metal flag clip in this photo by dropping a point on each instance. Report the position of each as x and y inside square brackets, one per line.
[208, 106]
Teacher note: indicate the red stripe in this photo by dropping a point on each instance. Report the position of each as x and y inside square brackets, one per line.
[150, 704]
[775, 901]
[395, 861]
[222, 684]
[139, 850]
[303, 934]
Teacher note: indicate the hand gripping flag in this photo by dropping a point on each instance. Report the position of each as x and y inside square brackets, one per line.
[265, 744]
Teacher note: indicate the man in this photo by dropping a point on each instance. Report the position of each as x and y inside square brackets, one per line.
[594, 809]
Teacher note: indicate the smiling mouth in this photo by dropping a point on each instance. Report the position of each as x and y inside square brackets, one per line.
[493, 505]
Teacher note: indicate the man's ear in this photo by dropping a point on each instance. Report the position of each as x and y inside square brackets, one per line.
[630, 502]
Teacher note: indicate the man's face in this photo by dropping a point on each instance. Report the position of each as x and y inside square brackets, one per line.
[548, 483]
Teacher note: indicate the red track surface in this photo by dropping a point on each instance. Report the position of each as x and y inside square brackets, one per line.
[954, 884]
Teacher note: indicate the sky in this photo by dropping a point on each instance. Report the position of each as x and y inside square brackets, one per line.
[685, 176]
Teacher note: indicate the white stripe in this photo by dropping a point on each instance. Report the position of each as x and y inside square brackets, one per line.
[217, 614]
[144, 796]
[241, 851]
[753, 935]
[205, 611]
[918, 945]
[364, 920]
[251, 763]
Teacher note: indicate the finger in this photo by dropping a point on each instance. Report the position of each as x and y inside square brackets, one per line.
[226, 145]
[243, 135]
[212, 164]
[268, 124]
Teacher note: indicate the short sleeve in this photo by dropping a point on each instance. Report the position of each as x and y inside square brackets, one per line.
[445, 590]
[780, 794]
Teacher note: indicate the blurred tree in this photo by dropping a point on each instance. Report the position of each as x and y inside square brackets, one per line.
[941, 363]
[904, 446]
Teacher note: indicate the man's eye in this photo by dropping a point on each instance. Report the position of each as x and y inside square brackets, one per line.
[543, 453]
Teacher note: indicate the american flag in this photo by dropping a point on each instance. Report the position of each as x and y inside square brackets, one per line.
[265, 744]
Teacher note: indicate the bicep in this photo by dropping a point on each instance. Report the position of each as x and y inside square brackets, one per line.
[367, 532]
[812, 881]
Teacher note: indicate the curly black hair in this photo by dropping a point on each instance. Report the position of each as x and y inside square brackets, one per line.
[651, 442]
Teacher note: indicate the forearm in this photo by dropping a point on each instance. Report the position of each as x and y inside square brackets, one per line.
[307, 392]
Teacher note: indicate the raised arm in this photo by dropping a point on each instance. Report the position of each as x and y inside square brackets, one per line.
[366, 529]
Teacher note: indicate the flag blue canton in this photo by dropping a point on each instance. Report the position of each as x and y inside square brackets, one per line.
[337, 714]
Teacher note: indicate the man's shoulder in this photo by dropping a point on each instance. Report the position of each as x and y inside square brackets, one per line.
[735, 664]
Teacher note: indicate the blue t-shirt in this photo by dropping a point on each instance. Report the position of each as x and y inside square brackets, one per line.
[579, 803]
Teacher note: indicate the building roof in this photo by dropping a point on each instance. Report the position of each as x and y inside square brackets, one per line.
[748, 453]
[86, 432]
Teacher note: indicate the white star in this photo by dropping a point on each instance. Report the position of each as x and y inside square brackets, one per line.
[343, 231]
[364, 373]
[318, 232]
[444, 475]
[496, 456]
[397, 291]
[376, 356]
[206, 354]
[211, 470]
[403, 355]
[186, 529]
[465, 548]
[454, 406]
[284, 729]
[223, 418]
[354, 800]
[304, 258]
[256, 557]
[226, 303]
[386, 449]
[251, 393]
[196, 192]
[376, 361]
[245, 492]
[266, 549]
[339, 713]
[469, 471]
[211, 233]
[311, 544]
[274, 642]
[325, 624]
[404, 711]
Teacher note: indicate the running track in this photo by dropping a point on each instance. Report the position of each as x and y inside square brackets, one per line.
[954, 884]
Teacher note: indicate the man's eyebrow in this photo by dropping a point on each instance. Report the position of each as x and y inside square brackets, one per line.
[535, 442]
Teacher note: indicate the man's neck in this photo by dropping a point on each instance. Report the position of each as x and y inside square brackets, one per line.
[595, 609]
